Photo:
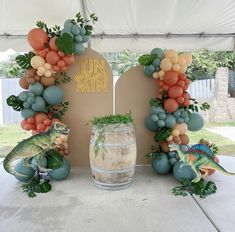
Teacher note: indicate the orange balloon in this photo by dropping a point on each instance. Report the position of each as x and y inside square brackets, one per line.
[24, 83]
[182, 76]
[30, 120]
[186, 102]
[69, 60]
[47, 122]
[175, 92]
[171, 105]
[41, 127]
[184, 139]
[164, 146]
[170, 78]
[61, 63]
[37, 38]
[52, 57]
[52, 44]
[40, 117]
[181, 83]
[180, 100]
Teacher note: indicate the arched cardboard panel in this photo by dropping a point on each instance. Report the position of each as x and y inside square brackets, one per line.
[89, 93]
[133, 92]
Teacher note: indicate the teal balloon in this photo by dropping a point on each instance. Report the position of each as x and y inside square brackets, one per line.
[26, 105]
[161, 123]
[25, 113]
[42, 163]
[184, 114]
[68, 25]
[150, 124]
[36, 88]
[78, 38]
[196, 122]
[157, 69]
[30, 94]
[39, 104]
[61, 173]
[161, 163]
[23, 95]
[181, 171]
[162, 115]
[172, 160]
[177, 113]
[154, 117]
[180, 120]
[159, 52]
[157, 109]
[30, 100]
[79, 48]
[82, 31]
[27, 171]
[156, 62]
[75, 29]
[149, 70]
[53, 95]
[85, 38]
[170, 121]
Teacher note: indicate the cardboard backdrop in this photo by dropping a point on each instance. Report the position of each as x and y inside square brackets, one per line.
[133, 92]
[90, 93]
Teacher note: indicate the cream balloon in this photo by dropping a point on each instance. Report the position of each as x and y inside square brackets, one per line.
[175, 132]
[182, 60]
[170, 53]
[176, 67]
[165, 64]
[188, 58]
[47, 73]
[37, 61]
[161, 73]
[183, 68]
[181, 127]
[155, 75]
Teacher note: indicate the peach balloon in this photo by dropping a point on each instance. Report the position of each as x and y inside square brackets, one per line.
[171, 105]
[183, 68]
[24, 83]
[161, 73]
[171, 53]
[188, 58]
[69, 60]
[176, 67]
[184, 139]
[181, 127]
[165, 64]
[164, 146]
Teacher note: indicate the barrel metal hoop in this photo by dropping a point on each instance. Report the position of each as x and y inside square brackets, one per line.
[110, 171]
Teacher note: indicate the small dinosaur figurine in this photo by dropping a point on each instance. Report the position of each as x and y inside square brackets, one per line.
[199, 157]
[36, 145]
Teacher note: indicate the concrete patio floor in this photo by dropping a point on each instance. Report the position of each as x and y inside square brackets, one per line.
[147, 206]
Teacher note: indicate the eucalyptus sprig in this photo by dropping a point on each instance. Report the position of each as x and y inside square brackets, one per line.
[202, 188]
[54, 31]
[155, 102]
[86, 22]
[64, 78]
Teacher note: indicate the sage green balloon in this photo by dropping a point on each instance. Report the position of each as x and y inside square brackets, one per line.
[196, 122]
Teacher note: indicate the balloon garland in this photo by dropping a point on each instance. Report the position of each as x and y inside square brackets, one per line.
[173, 112]
[42, 101]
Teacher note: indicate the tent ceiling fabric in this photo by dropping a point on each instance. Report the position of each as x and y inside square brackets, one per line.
[127, 18]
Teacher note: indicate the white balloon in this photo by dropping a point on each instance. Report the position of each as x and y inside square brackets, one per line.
[37, 61]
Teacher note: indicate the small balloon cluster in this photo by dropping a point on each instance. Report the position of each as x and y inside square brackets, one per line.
[53, 52]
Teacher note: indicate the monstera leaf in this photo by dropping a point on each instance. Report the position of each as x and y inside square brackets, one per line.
[65, 44]
[24, 60]
[15, 102]
[162, 134]
[146, 59]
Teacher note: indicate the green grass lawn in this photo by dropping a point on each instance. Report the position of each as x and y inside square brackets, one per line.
[226, 146]
[10, 135]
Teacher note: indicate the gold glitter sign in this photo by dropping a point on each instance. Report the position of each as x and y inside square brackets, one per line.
[92, 76]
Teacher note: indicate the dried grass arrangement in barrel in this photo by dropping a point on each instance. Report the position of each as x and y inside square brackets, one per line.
[113, 151]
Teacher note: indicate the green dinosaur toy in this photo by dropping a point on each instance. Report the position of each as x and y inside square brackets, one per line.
[199, 159]
[36, 145]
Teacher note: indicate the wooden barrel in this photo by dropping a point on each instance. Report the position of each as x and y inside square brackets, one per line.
[113, 155]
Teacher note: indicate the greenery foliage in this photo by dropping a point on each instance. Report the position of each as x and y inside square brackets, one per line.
[202, 188]
[65, 44]
[59, 110]
[112, 119]
[15, 102]
[24, 60]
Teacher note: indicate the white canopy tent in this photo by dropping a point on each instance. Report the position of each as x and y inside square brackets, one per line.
[137, 25]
